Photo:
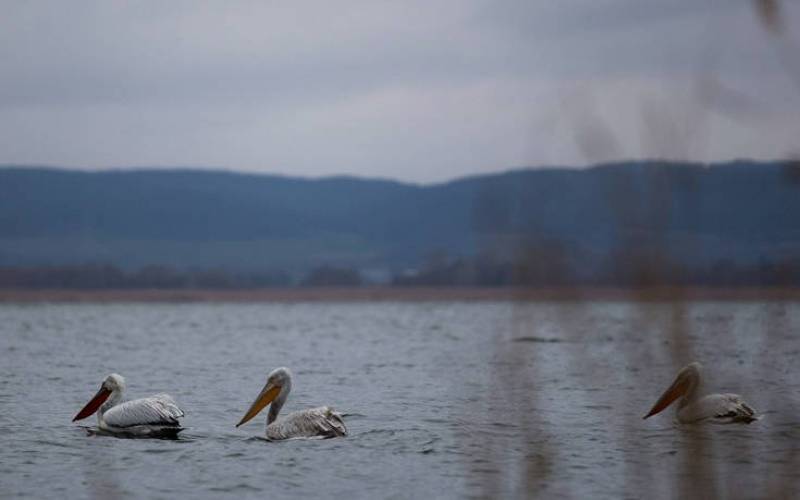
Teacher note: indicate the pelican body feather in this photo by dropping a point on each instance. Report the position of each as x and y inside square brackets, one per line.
[694, 408]
[154, 416]
[321, 422]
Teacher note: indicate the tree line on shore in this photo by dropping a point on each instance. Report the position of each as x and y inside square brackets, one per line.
[535, 269]
[626, 269]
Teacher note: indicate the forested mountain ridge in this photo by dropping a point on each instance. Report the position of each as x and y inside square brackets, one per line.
[694, 215]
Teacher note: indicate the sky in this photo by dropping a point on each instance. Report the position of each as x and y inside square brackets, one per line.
[420, 91]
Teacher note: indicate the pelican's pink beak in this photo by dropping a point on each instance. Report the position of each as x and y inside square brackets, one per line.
[94, 404]
[676, 390]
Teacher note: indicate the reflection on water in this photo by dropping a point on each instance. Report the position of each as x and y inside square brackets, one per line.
[100, 473]
[457, 399]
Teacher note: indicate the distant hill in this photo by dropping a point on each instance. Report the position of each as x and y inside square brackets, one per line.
[696, 215]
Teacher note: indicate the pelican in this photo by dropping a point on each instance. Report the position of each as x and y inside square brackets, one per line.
[692, 407]
[156, 416]
[313, 422]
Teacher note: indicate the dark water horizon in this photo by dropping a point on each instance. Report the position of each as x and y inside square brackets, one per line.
[446, 399]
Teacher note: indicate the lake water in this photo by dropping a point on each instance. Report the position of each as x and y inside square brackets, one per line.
[443, 399]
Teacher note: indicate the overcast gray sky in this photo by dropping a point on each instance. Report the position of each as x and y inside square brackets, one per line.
[416, 90]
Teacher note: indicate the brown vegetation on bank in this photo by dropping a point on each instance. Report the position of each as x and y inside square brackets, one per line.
[402, 294]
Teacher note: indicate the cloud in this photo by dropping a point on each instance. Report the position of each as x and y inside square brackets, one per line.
[414, 90]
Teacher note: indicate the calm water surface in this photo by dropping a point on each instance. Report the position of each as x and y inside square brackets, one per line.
[442, 399]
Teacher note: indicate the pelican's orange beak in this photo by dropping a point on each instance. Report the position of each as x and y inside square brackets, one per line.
[94, 404]
[268, 393]
[676, 390]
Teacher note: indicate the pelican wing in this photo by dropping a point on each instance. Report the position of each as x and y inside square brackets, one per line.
[719, 408]
[314, 422]
[158, 410]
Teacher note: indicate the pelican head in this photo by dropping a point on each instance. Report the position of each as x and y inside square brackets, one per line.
[685, 384]
[114, 383]
[279, 381]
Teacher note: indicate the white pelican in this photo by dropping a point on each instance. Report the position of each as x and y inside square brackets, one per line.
[156, 416]
[692, 407]
[314, 422]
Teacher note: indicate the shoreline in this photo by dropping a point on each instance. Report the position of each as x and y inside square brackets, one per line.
[400, 294]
